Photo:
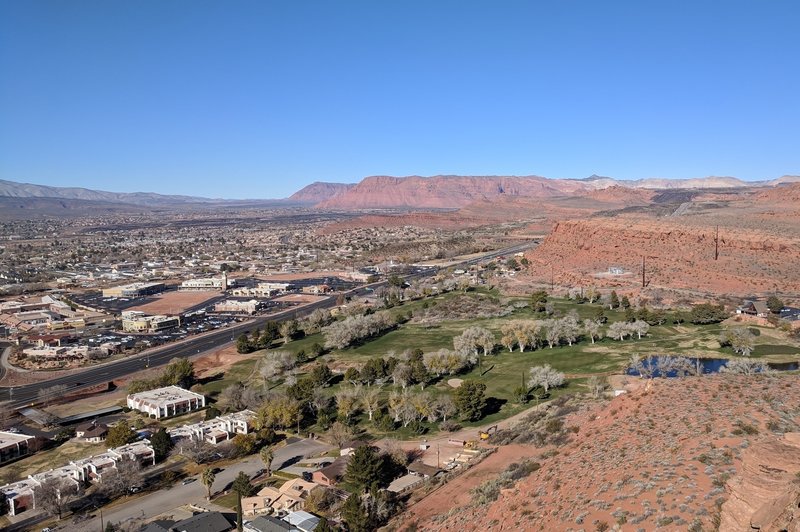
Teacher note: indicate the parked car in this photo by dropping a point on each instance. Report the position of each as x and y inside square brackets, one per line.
[188, 480]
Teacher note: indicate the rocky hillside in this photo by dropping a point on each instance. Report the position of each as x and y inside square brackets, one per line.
[701, 453]
[319, 191]
[452, 192]
[759, 249]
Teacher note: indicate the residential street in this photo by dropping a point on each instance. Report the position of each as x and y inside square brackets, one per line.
[159, 502]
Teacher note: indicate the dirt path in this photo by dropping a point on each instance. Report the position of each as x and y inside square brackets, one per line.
[456, 493]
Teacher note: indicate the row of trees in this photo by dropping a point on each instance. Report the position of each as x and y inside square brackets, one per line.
[179, 372]
[353, 329]
[676, 366]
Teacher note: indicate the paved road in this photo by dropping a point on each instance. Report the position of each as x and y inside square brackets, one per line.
[157, 503]
[20, 396]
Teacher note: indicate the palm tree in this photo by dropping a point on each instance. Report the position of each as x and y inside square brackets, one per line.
[207, 478]
[267, 455]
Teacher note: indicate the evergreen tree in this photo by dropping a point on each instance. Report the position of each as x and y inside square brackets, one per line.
[614, 303]
[355, 515]
[470, 400]
[162, 444]
[364, 468]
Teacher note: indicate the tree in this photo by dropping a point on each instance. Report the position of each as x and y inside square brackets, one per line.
[179, 372]
[592, 329]
[161, 443]
[207, 478]
[211, 413]
[119, 435]
[444, 407]
[740, 366]
[243, 345]
[597, 385]
[267, 455]
[707, 313]
[625, 303]
[470, 400]
[355, 515]
[364, 468]
[640, 328]
[545, 377]
[288, 329]
[244, 444]
[539, 300]
[242, 488]
[279, 412]
[370, 401]
[54, 495]
[347, 400]
[774, 304]
[613, 300]
[618, 330]
[126, 475]
[198, 451]
[231, 397]
[323, 526]
[740, 339]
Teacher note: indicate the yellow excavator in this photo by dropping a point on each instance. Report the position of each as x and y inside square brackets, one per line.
[485, 434]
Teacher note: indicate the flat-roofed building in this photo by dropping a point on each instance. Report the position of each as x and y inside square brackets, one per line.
[210, 283]
[239, 307]
[216, 430]
[134, 290]
[166, 402]
[14, 445]
[137, 321]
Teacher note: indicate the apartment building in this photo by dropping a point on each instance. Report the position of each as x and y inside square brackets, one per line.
[216, 430]
[14, 445]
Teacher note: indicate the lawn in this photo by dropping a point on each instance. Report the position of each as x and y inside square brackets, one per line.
[504, 371]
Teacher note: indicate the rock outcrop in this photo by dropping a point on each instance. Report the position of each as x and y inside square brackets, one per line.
[319, 191]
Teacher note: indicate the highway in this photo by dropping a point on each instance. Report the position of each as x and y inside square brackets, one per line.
[25, 395]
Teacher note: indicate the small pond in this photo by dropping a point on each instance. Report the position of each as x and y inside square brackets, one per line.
[705, 365]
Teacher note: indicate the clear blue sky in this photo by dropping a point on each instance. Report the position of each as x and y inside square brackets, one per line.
[257, 99]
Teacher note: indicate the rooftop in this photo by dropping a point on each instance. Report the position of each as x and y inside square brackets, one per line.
[166, 394]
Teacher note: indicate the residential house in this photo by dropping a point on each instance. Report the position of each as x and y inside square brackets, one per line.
[331, 474]
[92, 432]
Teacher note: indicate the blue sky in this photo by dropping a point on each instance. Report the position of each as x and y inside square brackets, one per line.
[257, 99]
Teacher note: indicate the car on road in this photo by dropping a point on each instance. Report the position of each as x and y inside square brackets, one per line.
[258, 473]
[188, 481]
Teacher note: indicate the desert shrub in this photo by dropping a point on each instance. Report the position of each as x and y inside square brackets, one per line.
[490, 490]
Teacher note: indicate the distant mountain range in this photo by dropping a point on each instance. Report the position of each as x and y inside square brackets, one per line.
[412, 192]
[26, 190]
[452, 191]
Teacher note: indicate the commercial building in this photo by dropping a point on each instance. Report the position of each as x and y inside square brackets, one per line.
[166, 402]
[14, 445]
[137, 321]
[239, 307]
[211, 283]
[134, 290]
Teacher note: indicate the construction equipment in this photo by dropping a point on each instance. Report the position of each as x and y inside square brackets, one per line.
[471, 444]
[485, 434]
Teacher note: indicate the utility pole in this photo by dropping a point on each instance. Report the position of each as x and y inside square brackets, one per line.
[552, 279]
[716, 244]
[643, 273]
